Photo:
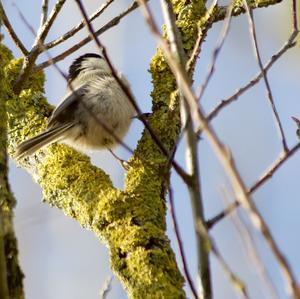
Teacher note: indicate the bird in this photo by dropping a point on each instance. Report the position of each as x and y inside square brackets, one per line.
[95, 112]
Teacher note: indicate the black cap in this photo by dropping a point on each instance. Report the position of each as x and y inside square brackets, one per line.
[75, 67]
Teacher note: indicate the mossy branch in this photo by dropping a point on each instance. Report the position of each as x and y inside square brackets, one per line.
[141, 255]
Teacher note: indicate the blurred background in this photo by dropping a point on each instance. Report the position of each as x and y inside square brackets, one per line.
[63, 261]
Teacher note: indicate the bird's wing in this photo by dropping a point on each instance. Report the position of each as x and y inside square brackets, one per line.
[69, 99]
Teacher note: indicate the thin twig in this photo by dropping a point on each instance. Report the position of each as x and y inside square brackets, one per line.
[288, 45]
[216, 52]
[106, 287]
[295, 17]
[180, 245]
[192, 161]
[36, 47]
[44, 14]
[79, 26]
[250, 248]
[197, 47]
[11, 31]
[268, 174]
[218, 13]
[265, 76]
[238, 8]
[113, 22]
[236, 282]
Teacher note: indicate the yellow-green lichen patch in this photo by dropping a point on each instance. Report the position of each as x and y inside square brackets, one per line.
[70, 182]
[6, 200]
[131, 232]
[161, 73]
[27, 116]
[188, 15]
[35, 81]
[26, 113]
[130, 211]
[5, 54]
[139, 268]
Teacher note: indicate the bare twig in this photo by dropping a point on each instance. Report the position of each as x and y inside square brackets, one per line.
[291, 42]
[115, 21]
[192, 161]
[216, 52]
[263, 179]
[197, 47]
[44, 14]
[79, 26]
[288, 45]
[238, 8]
[106, 287]
[180, 245]
[265, 76]
[11, 31]
[36, 48]
[295, 17]
[237, 283]
[250, 248]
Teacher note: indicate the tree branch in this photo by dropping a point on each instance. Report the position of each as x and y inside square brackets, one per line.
[11, 31]
[44, 13]
[265, 76]
[36, 49]
[238, 8]
[78, 27]
[263, 179]
[180, 245]
[291, 42]
[113, 22]
[192, 159]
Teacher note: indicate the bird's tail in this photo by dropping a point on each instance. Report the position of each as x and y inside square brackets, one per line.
[31, 145]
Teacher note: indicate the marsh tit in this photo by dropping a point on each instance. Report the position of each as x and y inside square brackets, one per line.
[94, 114]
